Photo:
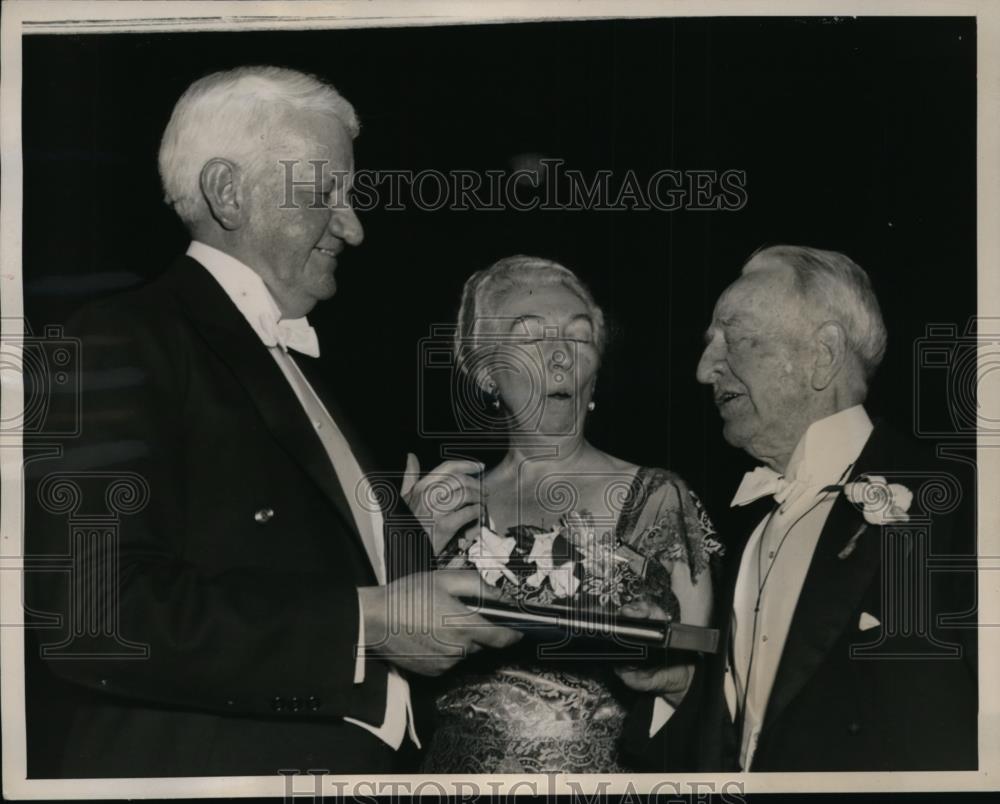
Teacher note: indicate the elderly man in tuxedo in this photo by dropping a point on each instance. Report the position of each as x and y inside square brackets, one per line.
[835, 651]
[262, 601]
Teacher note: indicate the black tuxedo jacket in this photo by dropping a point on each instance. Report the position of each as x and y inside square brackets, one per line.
[901, 696]
[209, 616]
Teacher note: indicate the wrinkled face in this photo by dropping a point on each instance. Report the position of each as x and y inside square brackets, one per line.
[300, 213]
[546, 362]
[757, 359]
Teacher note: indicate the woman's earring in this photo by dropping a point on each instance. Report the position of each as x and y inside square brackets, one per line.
[493, 395]
[591, 405]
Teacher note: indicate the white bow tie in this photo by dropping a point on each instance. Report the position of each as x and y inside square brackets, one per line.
[291, 333]
[763, 482]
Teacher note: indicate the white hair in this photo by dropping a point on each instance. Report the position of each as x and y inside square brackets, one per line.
[840, 286]
[232, 115]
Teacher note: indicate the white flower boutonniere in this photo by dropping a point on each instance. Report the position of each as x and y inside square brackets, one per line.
[881, 503]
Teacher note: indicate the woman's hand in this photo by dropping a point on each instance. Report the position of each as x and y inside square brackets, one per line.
[670, 681]
[445, 499]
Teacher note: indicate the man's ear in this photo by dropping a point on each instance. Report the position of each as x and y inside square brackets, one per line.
[831, 350]
[220, 187]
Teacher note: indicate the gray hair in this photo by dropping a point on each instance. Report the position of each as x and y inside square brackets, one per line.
[842, 288]
[232, 115]
[484, 290]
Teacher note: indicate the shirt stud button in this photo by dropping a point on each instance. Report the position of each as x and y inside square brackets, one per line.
[764, 638]
[263, 516]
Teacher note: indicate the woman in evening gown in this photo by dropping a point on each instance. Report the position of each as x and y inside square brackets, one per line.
[531, 337]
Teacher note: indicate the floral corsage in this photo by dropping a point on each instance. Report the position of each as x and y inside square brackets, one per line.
[570, 561]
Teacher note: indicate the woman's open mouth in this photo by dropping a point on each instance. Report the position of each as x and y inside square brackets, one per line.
[561, 396]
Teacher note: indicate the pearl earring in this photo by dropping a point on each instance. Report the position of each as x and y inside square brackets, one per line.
[493, 395]
[591, 405]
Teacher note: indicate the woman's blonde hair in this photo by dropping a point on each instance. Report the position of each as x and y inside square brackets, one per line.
[485, 289]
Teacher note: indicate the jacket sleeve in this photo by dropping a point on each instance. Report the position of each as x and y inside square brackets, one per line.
[138, 620]
[674, 747]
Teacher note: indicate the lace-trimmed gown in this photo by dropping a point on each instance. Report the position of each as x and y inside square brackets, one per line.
[511, 712]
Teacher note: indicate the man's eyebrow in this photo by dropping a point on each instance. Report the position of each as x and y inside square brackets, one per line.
[718, 323]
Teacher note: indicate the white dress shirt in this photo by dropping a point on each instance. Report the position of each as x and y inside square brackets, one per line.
[252, 298]
[776, 560]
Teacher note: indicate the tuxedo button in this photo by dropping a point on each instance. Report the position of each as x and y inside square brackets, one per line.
[263, 516]
[294, 704]
[314, 703]
[278, 704]
[854, 727]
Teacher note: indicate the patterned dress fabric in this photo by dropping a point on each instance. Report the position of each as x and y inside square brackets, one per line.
[538, 709]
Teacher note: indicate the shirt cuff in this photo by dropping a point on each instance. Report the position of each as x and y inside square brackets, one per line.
[359, 651]
[662, 712]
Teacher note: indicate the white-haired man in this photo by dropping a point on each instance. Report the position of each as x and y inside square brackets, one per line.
[835, 653]
[269, 601]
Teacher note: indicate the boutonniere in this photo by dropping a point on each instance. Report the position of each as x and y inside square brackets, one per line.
[880, 502]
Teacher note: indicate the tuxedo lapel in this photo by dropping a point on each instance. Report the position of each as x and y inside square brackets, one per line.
[834, 586]
[408, 548]
[227, 333]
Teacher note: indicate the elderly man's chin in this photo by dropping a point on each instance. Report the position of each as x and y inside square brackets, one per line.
[736, 432]
[322, 279]
[328, 289]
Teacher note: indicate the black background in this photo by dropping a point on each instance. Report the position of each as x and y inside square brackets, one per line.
[855, 134]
